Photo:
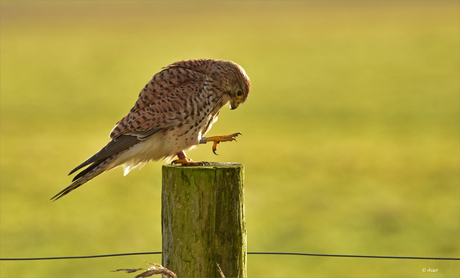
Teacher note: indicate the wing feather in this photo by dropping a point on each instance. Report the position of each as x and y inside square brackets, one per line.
[161, 100]
[157, 107]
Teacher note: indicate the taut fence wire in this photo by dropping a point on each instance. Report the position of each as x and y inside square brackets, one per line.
[249, 253]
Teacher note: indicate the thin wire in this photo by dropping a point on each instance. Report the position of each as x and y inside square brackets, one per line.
[79, 257]
[353, 256]
[250, 253]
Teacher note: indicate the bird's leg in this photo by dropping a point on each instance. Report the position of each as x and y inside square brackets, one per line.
[218, 139]
[182, 159]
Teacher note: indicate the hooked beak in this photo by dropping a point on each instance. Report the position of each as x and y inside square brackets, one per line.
[234, 105]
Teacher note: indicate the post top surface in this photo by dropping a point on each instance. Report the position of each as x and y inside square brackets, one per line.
[212, 165]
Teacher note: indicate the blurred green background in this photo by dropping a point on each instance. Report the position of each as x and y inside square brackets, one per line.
[351, 131]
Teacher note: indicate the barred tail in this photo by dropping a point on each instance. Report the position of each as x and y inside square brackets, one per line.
[88, 174]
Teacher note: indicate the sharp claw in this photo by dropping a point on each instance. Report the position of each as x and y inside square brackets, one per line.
[218, 139]
[214, 147]
[190, 163]
[235, 135]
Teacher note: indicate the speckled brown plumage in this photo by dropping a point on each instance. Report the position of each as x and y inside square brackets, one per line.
[172, 114]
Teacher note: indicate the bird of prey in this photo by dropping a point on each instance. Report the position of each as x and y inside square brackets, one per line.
[172, 114]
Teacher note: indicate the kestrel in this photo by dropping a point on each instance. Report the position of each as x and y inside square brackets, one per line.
[172, 114]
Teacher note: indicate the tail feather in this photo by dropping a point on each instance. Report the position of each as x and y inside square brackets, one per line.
[112, 148]
[87, 170]
[86, 175]
[104, 160]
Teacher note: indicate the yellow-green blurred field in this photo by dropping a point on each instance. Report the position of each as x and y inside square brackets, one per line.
[351, 131]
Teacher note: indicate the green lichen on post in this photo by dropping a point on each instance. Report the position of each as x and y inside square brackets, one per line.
[203, 220]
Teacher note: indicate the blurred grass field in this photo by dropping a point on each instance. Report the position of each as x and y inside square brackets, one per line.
[351, 131]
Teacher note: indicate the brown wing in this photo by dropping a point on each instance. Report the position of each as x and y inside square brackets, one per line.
[160, 105]
[160, 102]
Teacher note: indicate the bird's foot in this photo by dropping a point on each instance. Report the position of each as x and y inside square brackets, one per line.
[218, 139]
[189, 162]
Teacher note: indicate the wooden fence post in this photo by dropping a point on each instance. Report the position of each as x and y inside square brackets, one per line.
[203, 222]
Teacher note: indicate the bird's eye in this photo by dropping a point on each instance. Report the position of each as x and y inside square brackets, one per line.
[239, 93]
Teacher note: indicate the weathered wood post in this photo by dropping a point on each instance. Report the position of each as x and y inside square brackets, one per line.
[203, 220]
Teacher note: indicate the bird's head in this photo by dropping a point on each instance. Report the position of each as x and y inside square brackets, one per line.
[236, 83]
[239, 93]
[240, 89]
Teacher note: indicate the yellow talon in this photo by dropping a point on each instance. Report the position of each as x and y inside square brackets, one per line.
[189, 162]
[221, 138]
